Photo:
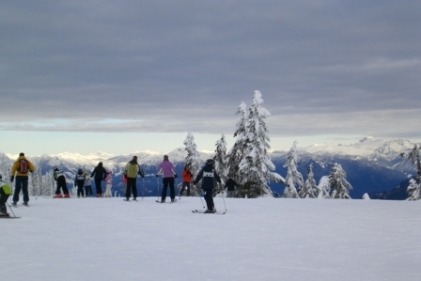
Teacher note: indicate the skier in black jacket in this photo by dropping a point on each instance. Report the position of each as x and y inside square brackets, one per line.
[100, 174]
[209, 176]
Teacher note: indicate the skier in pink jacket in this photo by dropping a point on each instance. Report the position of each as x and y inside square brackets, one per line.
[166, 168]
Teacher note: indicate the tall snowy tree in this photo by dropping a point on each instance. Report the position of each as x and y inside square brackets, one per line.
[255, 168]
[220, 158]
[294, 179]
[413, 155]
[323, 188]
[309, 189]
[337, 180]
[193, 161]
[414, 191]
[237, 152]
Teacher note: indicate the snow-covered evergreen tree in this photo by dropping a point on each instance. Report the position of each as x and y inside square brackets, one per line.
[414, 186]
[294, 179]
[221, 159]
[338, 183]
[323, 188]
[309, 189]
[414, 191]
[237, 152]
[193, 161]
[255, 168]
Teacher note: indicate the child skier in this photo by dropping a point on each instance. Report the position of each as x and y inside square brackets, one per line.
[108, 183]
[79, 182]
[187, 176]
[209, 176]
[88, 185]
[5, 192]
[61, 183]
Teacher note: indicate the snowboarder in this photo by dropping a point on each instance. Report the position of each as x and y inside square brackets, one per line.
[108, 183]
[187, 176]
[131, 171]
[5, 192]
[168, 174]
[209, 176]
[100, 174]
[230, 186]
[21, 167]
[88, 185]
[79, 182]
[61, 183]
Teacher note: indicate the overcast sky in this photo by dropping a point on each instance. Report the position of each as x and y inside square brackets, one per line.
[124, 76]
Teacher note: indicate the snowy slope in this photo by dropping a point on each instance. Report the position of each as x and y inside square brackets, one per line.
[261, 239]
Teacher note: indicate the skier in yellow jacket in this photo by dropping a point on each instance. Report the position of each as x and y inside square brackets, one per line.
[20, 170]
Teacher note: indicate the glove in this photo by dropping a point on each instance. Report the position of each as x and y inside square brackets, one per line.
[12, 178]
[175, 176]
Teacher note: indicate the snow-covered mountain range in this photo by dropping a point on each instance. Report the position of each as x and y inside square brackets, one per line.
[372, 165]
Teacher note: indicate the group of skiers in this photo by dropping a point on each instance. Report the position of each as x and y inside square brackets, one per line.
[82, 181]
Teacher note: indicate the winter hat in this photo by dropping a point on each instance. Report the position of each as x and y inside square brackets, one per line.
[21, 154]
[165, 157]
[210, 162]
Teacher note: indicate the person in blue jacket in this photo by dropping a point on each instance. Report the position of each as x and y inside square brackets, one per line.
[208, 176]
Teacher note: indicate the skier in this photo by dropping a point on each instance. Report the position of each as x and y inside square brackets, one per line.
[5, 192]
[209, 176]
[21, 167]
[230, 185]
[131, 171]
[79, 182]
[168, 174]
[187, 176]
[88, 186]
[108, 183]
[100, 174]
[61, 183]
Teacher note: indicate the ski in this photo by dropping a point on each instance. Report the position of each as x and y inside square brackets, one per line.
[3, 217]
[203, 212]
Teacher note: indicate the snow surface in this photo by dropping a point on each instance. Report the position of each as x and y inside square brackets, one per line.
[96, 239]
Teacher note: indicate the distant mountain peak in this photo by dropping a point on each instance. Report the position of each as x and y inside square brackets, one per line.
[367, 139]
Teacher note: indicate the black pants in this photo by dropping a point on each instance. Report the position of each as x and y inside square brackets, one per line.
[98, 186]
[3, 200]
[185, 185]
[131, 186]
[21, 184]
[166, 182]
[80, 190]
[61, 184]
[209, 199]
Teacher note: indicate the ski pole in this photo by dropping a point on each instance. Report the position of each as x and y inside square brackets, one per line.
[143, 186]
[200, 196]
[157, 183]
[10, 207]
[223, 198]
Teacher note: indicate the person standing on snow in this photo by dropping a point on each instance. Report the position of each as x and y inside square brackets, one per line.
[100, 174]
[209, 176]
[230, 185]
[168, 174]
[61, 183]
[108, 183]
[5, 192]
[131, 171]
[88, 185]
[80, 182]
[187, 176]
[20, 168]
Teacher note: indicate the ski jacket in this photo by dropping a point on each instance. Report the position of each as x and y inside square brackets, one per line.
[99, 172]
[80, 179]
[231, 184]
[187, 176]
[5, 188]
[167, 168]
[109, 178]
[133, 169]
[87, 179]
[59, 176]
[17, 164]
[209, 176]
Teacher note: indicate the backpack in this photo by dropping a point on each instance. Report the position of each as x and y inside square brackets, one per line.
[23, 166]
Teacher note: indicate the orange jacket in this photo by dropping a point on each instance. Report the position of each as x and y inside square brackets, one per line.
[187, 176]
